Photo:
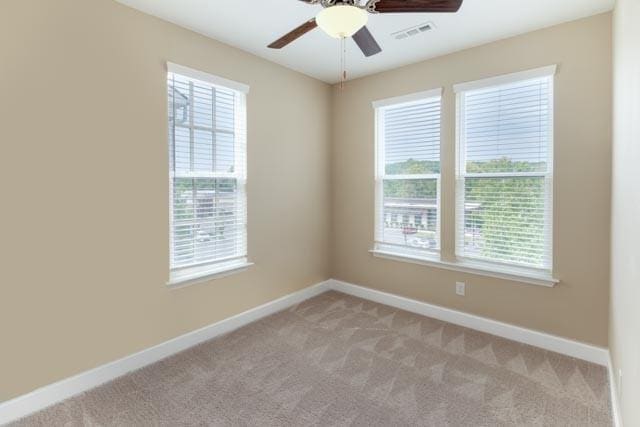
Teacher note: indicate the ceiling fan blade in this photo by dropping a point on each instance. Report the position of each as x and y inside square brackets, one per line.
[293, 35]
[365, 41]
[400, 6]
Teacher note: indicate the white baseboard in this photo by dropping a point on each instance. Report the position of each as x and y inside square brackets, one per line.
[554, 343]
[48, 395]
[615, 403]
[579, 350]
[41, 398]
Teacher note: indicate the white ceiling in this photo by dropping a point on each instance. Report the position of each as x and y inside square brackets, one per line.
[251, 25]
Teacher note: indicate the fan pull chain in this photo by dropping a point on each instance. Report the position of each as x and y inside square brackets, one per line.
[343, 61]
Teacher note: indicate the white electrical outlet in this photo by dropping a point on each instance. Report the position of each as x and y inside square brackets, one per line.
[460, 288]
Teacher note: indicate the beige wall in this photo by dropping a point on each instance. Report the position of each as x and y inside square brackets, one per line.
[84, 182]
[625, 233]
[578, 307]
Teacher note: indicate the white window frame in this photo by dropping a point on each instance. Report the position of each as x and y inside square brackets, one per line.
[219, 267]
[532, 276]
[381, 247]
[544, 274]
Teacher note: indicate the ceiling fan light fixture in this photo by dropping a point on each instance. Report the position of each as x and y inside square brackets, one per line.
[342, 21]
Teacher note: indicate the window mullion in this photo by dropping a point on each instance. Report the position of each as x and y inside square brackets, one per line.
[192, 169]
[191, 129]
[506, 175]
[213, 166]
[411, 176]
[213, 129]
[172, 169]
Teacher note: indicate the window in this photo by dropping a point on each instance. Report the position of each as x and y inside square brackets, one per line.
[207, 170]
[408, 174]
[505, 170]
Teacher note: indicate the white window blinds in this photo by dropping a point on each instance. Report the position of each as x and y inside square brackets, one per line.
[408, 175]
[207, 165]
[504, 172]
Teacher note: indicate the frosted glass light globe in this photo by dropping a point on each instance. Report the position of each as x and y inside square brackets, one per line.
[342, 21]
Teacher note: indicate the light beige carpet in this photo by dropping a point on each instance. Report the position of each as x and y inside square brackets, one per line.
[337, 360]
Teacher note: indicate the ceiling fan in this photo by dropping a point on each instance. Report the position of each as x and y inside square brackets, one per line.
[348, 18]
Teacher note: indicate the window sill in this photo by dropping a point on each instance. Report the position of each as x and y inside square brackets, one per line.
[180, 278]
[482, 269]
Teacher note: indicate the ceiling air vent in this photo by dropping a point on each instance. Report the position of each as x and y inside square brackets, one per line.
[413, 31]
